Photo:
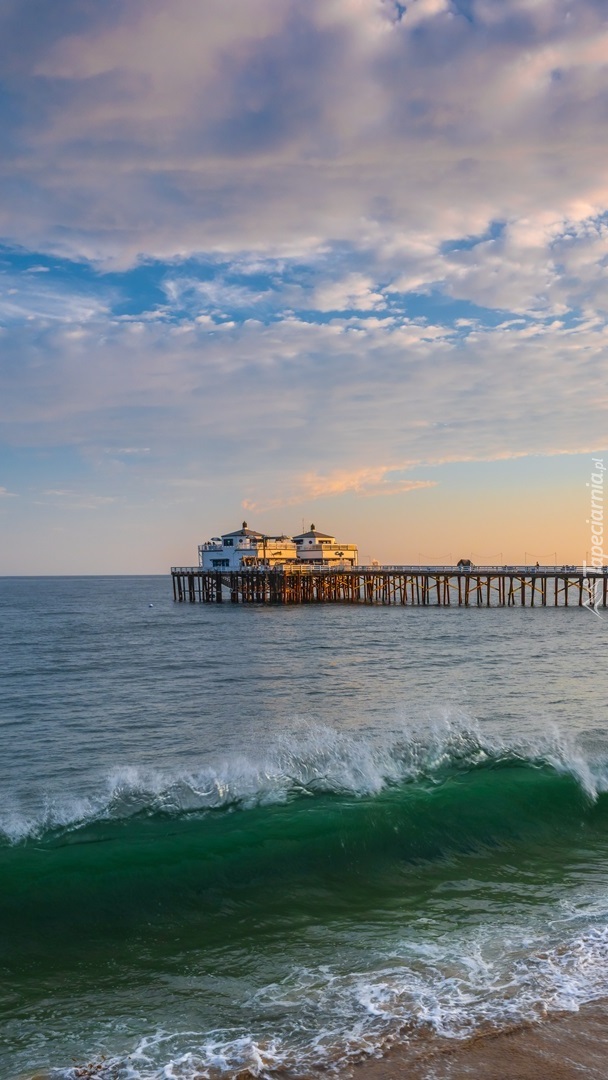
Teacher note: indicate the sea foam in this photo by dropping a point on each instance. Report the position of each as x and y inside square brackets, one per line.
[305, 760]
[344, 1018]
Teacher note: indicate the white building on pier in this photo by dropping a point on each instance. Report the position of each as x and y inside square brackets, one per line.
[246, 548]
[319, 548]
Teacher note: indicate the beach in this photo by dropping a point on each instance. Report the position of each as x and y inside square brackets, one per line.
[564, 1047]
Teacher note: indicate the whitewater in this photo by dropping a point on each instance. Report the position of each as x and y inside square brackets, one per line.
[291, 840]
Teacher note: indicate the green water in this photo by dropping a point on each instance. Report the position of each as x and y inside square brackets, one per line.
[200, 875]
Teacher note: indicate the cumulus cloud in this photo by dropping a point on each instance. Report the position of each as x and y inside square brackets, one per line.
[170, 129]
[354, 292]
[544, 265]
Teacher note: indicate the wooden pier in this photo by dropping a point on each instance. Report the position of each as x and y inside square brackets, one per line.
[413, 586]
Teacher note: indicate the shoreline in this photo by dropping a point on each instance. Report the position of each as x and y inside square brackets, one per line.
[565, 1046]
[562, 1046]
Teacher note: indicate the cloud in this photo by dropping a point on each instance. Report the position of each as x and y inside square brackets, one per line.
[300, 406]
[370, 481]
[23, 298]
[69, 499]
[354, 232]
[294, 129]
[355, 292]
[187, 293]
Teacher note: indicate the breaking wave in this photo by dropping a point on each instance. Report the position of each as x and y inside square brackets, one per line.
[331, 828]
[311, 761]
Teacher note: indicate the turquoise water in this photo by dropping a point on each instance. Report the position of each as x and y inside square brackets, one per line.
[238, 837]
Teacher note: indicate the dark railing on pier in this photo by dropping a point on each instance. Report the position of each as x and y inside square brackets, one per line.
[439, 586]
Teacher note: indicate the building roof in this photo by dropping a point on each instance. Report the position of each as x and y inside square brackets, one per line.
[313, 532]
[243, 532]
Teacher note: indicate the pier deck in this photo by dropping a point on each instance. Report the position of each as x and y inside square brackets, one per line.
[438, 586]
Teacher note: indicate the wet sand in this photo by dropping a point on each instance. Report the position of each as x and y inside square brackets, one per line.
[569, 1046]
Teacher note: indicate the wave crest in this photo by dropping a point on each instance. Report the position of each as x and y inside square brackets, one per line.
[305, 761]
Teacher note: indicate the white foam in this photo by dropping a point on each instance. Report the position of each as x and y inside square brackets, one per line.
[333, 1019]
[307, 759]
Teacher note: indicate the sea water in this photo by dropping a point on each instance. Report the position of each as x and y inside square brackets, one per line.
[286, 838]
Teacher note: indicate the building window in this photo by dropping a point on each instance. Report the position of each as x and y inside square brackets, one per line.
[228, 543]
[219, 563]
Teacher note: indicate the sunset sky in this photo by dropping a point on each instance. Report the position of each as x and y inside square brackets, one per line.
[341, 261]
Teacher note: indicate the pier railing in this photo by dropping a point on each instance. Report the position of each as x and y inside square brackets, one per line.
[398, 568]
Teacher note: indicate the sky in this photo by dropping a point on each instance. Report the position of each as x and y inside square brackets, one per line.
[294, 261]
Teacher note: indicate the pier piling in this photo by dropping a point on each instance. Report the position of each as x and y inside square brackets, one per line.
[416, 586]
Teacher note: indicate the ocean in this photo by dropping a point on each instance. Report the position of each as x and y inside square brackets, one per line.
[240, 839]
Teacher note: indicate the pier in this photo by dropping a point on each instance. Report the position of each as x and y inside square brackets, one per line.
[411, 586]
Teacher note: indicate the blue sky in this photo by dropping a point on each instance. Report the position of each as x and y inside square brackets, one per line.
[334, 260]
